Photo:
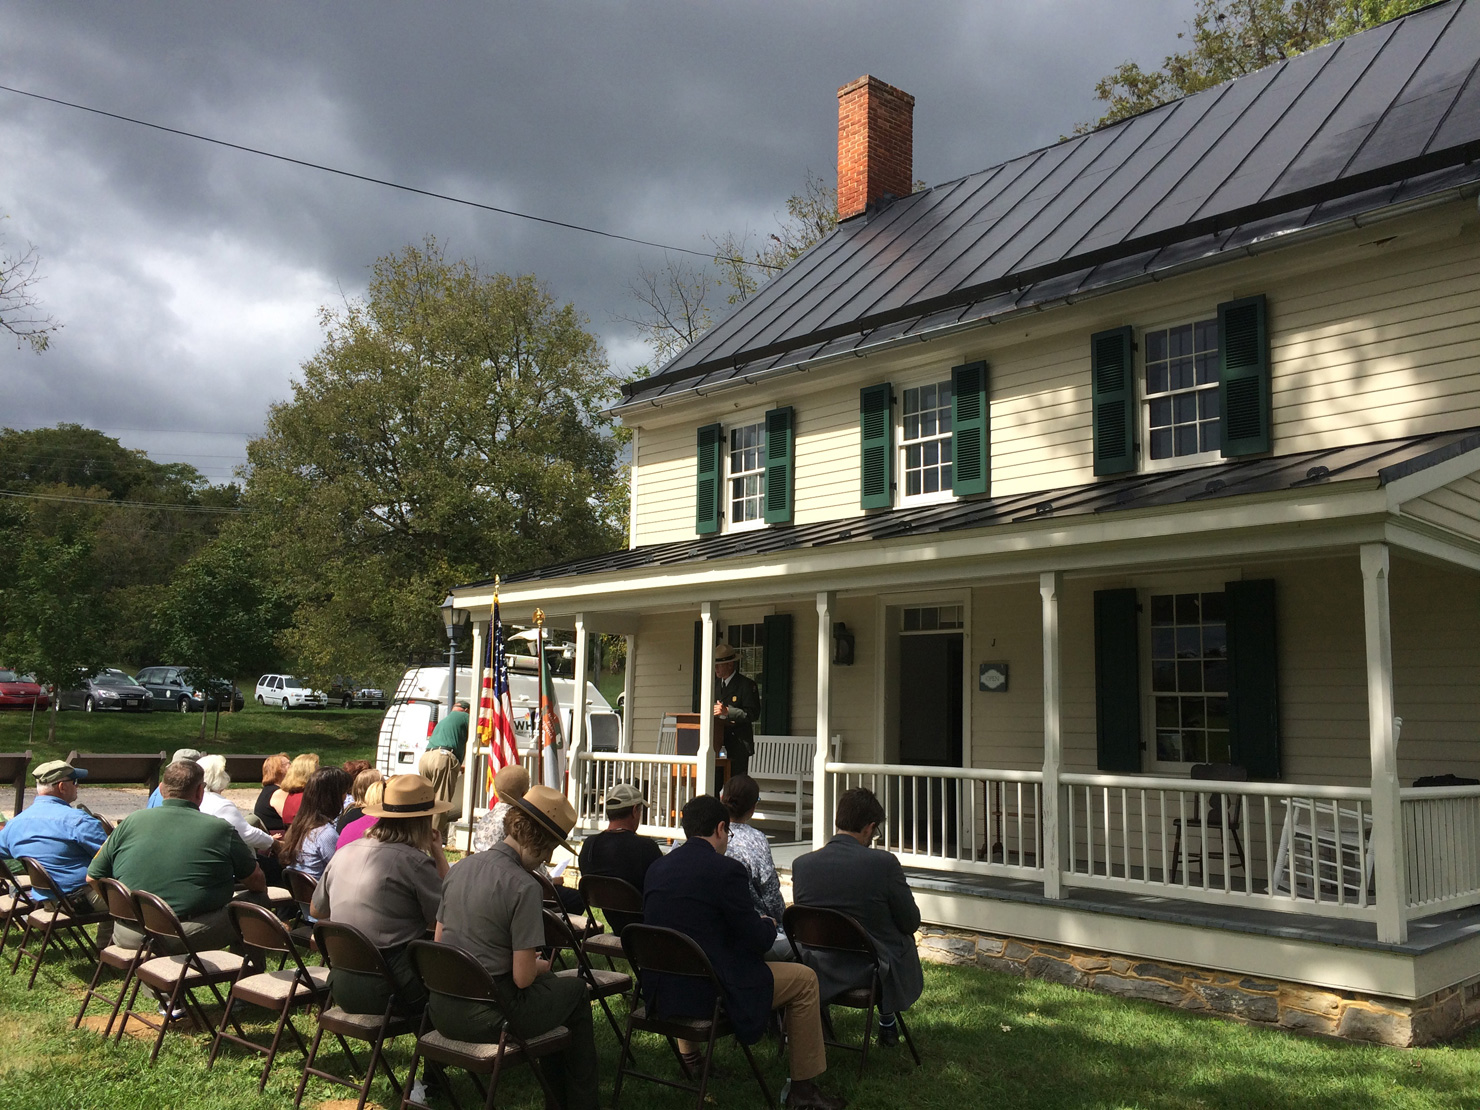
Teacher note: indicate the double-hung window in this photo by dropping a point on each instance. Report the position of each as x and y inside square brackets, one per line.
[1189, 677]
[925, 441]
[1180, 392]
[746, 473]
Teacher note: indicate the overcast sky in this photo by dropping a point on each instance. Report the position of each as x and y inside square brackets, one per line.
[189, 277]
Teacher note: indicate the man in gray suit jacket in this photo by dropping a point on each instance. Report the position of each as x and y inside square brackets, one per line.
[846, 874]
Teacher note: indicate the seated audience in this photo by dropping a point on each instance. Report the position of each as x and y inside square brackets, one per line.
[509, 785]
[354, 805]
[362, 824]
[388, 885]
[618, 851]
[289, 794]
[869, 885]
[697, 891]
[62, 839]
[181, 754]
[750, 846]
[491, 907]
[217, 805]
[191, 860]
[274, 767]
[310, 839]
[352, 768]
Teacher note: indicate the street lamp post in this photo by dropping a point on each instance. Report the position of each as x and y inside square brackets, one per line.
[455, 620]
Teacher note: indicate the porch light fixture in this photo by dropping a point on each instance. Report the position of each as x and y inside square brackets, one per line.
[454, 620]
[842, 645]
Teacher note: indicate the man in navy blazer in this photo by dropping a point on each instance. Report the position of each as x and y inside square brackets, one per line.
[846, 874]
[699, 892]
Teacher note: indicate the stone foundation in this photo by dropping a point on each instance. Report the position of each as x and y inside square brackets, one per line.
[1304, 1009]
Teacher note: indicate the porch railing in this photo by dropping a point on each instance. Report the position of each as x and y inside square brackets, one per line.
[983, 821]
[666, 781]
[1441, 843]
[1271, 844]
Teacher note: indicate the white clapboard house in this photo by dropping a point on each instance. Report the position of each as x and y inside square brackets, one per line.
[1114, 513]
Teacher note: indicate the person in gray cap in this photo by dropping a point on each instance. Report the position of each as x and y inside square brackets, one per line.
[619, 852]
[157, 799]
[62, 839]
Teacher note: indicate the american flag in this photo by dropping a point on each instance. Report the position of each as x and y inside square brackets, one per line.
[496, 708]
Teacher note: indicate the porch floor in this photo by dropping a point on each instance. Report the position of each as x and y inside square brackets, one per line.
[1428, 934]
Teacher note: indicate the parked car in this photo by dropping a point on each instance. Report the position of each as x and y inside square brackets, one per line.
[169, 690]
[21, 691]
[348, 693]
[108, 689]
[286, 691]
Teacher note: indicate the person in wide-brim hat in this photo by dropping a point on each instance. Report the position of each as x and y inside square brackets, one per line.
[551, 813]
[408, 796]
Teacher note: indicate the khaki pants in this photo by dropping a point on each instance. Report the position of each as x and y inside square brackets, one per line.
[443, 770]
[795, 991]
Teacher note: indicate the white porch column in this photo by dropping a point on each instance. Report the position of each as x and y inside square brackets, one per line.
[1050, 585]
[708, 614]
[577, 716]
[629, 688]
[472, 773]
[1387, 824]
[822, 803]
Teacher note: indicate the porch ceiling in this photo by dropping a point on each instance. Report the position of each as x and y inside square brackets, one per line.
[1308, 501]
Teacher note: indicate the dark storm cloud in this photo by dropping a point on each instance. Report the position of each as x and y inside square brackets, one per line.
[189, 276]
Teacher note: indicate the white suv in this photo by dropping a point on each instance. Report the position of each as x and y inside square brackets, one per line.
[288, 692]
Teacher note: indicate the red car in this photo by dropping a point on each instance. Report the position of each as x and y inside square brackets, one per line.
[20, 692]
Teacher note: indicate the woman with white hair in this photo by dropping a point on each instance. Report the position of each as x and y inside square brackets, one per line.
[218, 805]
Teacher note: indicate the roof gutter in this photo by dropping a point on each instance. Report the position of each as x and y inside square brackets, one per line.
[1252, 249]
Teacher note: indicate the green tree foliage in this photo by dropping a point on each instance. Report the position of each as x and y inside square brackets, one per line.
[450, 427]
[52, 615]
[1232, 37]
[220, 613]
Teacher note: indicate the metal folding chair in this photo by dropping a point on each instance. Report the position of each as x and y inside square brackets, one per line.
[279, 991]
[52, 915]
[601, 984]
[117, 957]
[669, 952]
[834, 931]
[611, 896]
[450, 971]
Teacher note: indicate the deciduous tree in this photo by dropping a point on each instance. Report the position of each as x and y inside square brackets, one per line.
[20, 309]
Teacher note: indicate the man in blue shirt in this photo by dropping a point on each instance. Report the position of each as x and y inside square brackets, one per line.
[62, 839]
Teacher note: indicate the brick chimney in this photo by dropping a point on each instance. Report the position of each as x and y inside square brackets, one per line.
[876, 144]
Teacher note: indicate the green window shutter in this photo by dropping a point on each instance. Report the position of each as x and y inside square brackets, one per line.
[707, 494]
[971, 430]
[1113, 400]
[780, 464]
[776, 678]
[698, 663]
[876, 427]
[1117, 682]
[1243, 377]
[1253, 669]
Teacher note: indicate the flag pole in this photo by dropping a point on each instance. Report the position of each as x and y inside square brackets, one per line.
[539, 724]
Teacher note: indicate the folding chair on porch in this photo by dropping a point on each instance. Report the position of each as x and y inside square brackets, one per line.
[1211, 821]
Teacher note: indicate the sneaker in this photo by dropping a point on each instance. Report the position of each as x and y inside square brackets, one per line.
[171, 1015]
[419, 1092]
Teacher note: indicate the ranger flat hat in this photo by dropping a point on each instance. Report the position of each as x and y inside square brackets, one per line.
[551, 811]
[49, 774]
[408, 796]
[624, 796]
[724, 653]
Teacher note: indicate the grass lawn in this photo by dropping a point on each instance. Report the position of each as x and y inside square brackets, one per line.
[336, 734]
[988, 1040]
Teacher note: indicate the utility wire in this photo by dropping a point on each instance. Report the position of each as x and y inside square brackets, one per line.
[382, 181]
[211, 510]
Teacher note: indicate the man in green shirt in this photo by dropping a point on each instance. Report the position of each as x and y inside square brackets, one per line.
[442, 765]
[188, 858]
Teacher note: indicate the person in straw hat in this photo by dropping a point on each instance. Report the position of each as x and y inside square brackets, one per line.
[737, 707]
[388, 885]
[492, 907]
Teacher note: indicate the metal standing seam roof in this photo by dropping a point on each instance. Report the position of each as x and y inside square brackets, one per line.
[1383, 117]
[1375, 463]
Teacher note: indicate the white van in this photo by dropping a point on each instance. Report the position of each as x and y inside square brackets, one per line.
[421, 699]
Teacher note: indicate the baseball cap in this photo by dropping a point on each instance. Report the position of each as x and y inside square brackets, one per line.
[49, 774]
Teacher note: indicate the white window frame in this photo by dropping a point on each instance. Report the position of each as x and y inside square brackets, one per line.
[745, 421]
[901, 446]
[1178, 584]
[1143, 401]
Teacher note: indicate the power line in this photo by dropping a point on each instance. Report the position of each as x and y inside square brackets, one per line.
[212, 510]
[382, 181]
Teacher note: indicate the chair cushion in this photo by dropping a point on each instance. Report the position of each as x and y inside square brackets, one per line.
[605, 944]
[856, 999]
[168, 969]
[607, 982]
[279, 895]
[274, 986]
[116, 955]
[486, 1052]
[363, 1026]
[689, 1028]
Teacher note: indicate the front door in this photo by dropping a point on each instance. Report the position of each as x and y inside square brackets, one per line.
[930, 694]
